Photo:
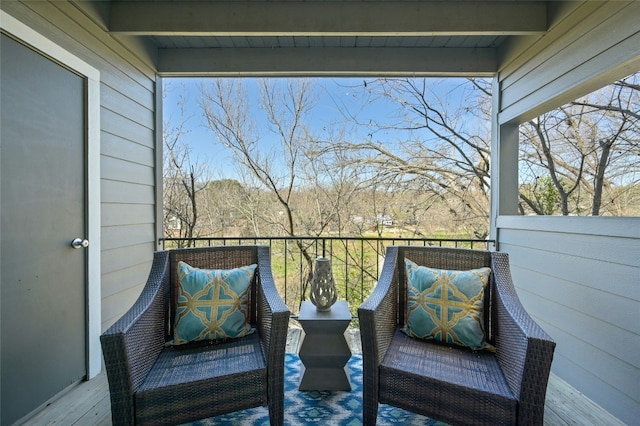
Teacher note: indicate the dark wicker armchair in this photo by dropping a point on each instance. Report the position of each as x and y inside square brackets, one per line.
[151, 383]
[452, 384]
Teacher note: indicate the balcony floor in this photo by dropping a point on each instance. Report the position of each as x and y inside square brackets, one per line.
[88, 402]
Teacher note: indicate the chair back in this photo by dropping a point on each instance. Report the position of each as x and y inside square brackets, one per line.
[213, 257]
[445, 258]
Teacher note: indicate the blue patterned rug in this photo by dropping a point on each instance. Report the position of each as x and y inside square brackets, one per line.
[323, 408]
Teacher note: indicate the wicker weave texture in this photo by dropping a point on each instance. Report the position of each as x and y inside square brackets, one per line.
[153, 384]
[458, 386]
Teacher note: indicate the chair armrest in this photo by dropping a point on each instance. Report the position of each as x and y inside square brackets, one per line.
[378, 314]
[132, 344]
[273, 324]
[523, 349]
[272, 313]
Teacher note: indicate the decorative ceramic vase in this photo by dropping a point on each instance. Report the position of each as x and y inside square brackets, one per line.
[323, 288]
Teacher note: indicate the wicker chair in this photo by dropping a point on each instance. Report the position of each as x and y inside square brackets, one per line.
[153, 384]
[452, 384]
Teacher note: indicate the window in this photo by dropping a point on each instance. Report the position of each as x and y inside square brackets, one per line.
[583, 158]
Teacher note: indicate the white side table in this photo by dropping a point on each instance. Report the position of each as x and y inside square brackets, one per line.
[324, 352]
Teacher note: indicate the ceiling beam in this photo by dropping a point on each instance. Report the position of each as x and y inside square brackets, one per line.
[333, 61]
[332, 18]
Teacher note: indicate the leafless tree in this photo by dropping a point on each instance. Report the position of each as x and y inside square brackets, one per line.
[431, 143]
[184, 177]
[274, 156]
[588, 149]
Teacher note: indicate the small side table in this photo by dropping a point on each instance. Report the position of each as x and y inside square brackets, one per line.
[324, 352]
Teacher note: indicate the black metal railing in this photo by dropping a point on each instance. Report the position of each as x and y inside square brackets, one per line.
[356, 261]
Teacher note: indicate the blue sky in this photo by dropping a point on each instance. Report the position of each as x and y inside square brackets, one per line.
[332, 92]
[200, 138]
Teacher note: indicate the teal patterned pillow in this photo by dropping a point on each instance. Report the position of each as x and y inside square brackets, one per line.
[212, 304]
[446, 305]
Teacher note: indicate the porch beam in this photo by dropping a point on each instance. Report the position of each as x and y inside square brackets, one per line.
[327, 61]
[321, 18]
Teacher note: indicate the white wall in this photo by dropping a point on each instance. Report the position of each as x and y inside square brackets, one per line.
[127, 145]
[580, 280]
[579, 277]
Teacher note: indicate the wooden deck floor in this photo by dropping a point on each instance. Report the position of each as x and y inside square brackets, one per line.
[88, 403]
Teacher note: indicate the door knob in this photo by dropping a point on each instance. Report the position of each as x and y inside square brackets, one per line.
[79, 243]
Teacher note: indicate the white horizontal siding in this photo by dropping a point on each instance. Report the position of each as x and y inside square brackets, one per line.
[608, 391]
[597, 276]
[125, 192]
[579, 277]
[586, 246]
[124, 278]
[595, 45]
[120, 170]
[122, 126]
[618, 376]
[112, 306]
[123, 105]
[127, 132]
[124, 257]
[116, 285]
[583, 287]
[119, 214]
[127, 235]
[119, 147]
[582, 312]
